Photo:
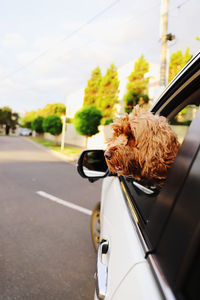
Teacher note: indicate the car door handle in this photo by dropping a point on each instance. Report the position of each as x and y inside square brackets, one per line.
[102, 271]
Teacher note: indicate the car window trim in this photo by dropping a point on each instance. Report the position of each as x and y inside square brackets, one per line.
[180, 89]
[134, 216]
[159, 276]
[183, 77]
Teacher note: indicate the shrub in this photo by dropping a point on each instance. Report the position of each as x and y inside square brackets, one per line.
[108, 121]
[37, 124]
[52, 124]
[87, 120]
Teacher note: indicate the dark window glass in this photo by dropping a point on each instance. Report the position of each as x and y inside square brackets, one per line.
[191, 286]
[143, 197]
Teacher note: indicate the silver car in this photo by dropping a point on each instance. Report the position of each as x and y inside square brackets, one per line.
[148, 238]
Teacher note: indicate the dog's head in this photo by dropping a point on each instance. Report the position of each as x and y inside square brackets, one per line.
[142, 146]
[122, 153]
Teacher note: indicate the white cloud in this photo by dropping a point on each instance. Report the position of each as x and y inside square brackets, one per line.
[52, 82]
[13, 40]
[48, 42]
[50, 56]
[9, 84]
[25, 57]
[120, 31]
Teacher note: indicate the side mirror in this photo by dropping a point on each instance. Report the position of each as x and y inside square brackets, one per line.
[92, 165]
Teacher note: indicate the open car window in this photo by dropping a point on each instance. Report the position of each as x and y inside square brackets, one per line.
[182, 120]
[145, 198]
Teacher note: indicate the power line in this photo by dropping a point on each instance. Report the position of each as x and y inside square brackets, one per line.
[132, 19]
[74, 32]
[181, 4]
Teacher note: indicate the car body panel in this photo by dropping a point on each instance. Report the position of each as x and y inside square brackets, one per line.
[117, 227]
[138, 284]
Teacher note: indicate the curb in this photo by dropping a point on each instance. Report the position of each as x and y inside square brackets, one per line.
[63, 157]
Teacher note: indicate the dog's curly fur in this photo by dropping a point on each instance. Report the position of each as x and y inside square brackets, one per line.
[142, 146]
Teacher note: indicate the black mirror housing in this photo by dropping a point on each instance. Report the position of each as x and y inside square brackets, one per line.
[92, 165]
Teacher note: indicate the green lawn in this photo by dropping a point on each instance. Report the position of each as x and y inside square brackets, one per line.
[70, 152]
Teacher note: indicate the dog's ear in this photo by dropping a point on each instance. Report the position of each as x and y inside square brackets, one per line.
[122, 126]
[136, 111]
[126, 126]
[116, 126]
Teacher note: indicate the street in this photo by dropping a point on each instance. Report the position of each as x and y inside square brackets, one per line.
[45, 246]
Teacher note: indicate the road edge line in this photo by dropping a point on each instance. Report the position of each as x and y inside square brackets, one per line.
[64, 202]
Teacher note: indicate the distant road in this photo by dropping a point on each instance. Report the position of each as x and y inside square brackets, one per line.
[45, 246]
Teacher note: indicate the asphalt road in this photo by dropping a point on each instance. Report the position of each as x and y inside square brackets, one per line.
[45, 247]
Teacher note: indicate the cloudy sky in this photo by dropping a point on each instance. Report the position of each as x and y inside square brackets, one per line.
[48, 48]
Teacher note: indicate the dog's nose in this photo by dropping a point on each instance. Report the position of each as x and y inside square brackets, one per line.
[108, 155]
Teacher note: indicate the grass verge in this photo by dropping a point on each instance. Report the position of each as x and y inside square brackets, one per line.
[71, 153]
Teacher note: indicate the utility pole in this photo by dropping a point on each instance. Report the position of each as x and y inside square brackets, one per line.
[63, 130]
[163, 56]
[164, 38]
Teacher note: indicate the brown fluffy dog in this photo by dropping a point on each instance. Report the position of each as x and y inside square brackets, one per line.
[142, 146]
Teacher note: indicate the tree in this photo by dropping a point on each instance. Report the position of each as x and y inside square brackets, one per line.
[132, 98]
[87, 120]
[27, 120]
[92, 89]
[52, 124]
[108, 94]
[177, 61]
[8, 118]
[58, 109]
[137, 86]
[37, 124]
[137, 81]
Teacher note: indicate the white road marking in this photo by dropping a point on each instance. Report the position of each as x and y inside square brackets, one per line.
[65, 203]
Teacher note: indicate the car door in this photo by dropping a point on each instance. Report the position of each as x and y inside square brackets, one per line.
[125, 256]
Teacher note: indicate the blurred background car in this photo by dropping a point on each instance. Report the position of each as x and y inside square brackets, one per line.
[25, 132]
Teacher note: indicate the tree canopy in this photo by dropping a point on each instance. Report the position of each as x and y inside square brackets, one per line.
[137, 86]
[52, 124]
[137, 81]
[177, 61]
[87, 120]
[27, 120]
[108, 93]
[8, 118]
[58, 109]
[92, 89]
[132, 98]
[37, 124]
